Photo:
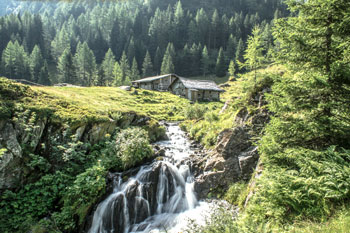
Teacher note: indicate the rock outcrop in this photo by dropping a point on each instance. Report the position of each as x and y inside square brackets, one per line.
[19, 138]
[235, 156]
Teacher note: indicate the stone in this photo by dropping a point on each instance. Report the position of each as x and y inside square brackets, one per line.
[10, 163]
[125, 88]
[232, 141]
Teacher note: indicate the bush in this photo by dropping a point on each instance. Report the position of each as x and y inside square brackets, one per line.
[132, 146]
[195, 111]
[237, 194]
[86, 189]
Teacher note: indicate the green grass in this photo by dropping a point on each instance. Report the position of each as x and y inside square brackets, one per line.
[238, 95]
[86, 104]
[339, 223]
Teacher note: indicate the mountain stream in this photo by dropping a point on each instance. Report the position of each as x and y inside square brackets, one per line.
[159, 198]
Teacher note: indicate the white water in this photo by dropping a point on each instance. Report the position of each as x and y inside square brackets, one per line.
[141, 205]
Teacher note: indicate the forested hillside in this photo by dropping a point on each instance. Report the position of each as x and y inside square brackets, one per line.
[80, 42]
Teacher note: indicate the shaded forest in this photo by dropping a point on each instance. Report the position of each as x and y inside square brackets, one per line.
[108, 43]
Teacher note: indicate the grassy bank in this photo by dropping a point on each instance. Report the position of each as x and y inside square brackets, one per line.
[77, 105]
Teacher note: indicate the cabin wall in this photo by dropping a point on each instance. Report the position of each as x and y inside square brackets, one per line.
[147, 86]
[179, 89]
[208, 95]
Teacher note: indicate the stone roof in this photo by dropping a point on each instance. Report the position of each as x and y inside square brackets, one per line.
[151, 79]
[207, 85]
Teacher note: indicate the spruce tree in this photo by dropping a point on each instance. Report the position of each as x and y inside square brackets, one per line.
[15, 62]
[117, 74]
[232, 69]
[158, 57]
[239, 52]
[85, 65]
[107, 68]
[134, 72]
[147, 67]
[254, 53]
[167, 64]
[8, 61]
[44, 75]
[220, 68]
[205, 61]
[36, 63]
[65, 68]
[125, 68]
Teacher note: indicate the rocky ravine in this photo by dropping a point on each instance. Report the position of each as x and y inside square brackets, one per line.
[18, 138]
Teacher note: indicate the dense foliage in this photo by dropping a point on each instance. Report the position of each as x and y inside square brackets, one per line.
[305, 150]
[107, 42]
[69, 181]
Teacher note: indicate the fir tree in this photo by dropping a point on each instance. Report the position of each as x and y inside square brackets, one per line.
[134, 72]
[85, 65]
[36, 63]
[205, 61]
[167, 64]
[125, 68]
[232, 69]
[147, 67]
[254, 53]
[117, 74]
[65, 68]
[220, 68]
[107, 68]
[158, 57]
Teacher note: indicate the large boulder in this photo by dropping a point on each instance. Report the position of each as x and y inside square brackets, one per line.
[234, 158]
[10, 162]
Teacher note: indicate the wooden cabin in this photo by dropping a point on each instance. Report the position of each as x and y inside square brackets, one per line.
[196, 90]
[156, 83]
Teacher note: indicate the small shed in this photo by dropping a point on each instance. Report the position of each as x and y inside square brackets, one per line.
[196, 90]
[156, 83]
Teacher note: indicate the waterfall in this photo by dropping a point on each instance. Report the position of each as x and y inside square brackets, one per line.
[151, 200]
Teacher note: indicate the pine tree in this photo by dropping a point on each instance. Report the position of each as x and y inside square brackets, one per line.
[117, 74]
[158, 57]
[205, 61]
[44, 75]
[315, 45]
[15, 62]
[239, 52]
[65, 68]
[232, 69]
[220, 68]
[8, 61]
[147, 67]
[125, 68]
[134, 72]
[107, 68]
[254, 53]
[85, 65]
[60, 43]
[231, 47]
[167, 64]
[36, 63]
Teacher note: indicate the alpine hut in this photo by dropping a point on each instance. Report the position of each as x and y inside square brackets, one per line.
[156, 83]
[196, 90]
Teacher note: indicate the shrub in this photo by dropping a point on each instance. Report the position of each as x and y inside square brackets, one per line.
[195, 111]
[237, 193]
[132, 146]
[79, 198]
